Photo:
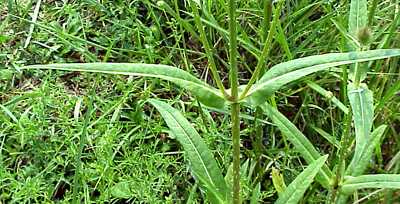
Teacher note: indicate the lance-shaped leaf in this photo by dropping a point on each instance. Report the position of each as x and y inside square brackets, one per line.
[205, 93]
[352, 184]
[362, 106]
[300, 142]
[358, 165]
[295, 191]
[282, 74]
[358, 17]
[202, 163]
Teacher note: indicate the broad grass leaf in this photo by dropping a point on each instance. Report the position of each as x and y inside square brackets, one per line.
[286, 72]
[361, 101]
[205, 93]
[295, 191]
[300, 142]
[387, 181]
[358, 165]
[202, 163]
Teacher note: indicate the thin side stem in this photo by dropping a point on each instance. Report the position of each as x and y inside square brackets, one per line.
[265, 51]
[209, 51]
[233, 76]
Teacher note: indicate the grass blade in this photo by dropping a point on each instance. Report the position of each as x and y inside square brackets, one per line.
[205, 93]
[284, 73]
[202, 163]
[371, 181]
[361, 102]
[300, 142]
[32, 26]
[295, 191]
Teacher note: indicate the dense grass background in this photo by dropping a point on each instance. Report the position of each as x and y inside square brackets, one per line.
[67, 136]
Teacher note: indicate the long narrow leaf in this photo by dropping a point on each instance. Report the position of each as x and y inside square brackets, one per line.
[371, 181]
[300, 142]
[205, 93]
[202, 163]
[361, 101]
[358, 17]
[295, 191]
[358, 165]
[284, 73]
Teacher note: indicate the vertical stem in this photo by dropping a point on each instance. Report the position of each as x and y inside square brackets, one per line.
[267, 18]
[233, 76]
[257, 143]
[236, 151]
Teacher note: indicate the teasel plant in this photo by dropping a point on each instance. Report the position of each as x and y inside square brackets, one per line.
[342, 181]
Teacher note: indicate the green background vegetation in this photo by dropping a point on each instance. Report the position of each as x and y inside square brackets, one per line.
[65, 135]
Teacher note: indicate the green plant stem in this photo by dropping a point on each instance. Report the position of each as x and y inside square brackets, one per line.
[236, 151]
[265, 51]
[209, 51]
[357, 75]
[257, 143]
[267, 18]
[235, 109]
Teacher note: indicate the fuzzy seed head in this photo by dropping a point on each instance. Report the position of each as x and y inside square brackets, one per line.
[364, 35]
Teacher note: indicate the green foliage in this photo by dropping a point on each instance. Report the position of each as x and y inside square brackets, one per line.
[361, 101]
[300, 142]
[358, 16]
[286, 72]
[80, 137]
[201, 161]
[360, 163]
[205, 93]
[295, 191]
[371, 181]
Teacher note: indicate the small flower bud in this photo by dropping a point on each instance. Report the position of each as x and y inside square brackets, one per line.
[364, 35]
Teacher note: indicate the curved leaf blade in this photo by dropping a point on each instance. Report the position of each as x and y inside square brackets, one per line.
[362, 105]
[205, 93]
[286, 72]
[352, 184]
[300, 142]
[358, 165]
[295, 191]
[202, 163]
